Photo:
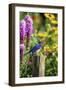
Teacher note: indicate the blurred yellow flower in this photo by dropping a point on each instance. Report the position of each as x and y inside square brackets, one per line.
[54, 28]
[47, 49]
[54, 22]
[55, 46]
[42, 35]
[50, 49]
[46, 15]
[52, 16]
[49, 16]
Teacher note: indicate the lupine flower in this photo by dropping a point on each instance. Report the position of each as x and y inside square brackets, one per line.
[29, 28]
[22, 30]
[28, 18]
[29, 24]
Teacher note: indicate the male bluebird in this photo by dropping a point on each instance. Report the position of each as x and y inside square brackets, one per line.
[35, 48]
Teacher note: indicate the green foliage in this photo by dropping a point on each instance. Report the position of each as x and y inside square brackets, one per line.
[25, 70]
[34, 41]
[51, 66]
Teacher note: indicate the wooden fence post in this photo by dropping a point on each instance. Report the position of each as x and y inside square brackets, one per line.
[42, 66]
[38, 66]
[35, 65]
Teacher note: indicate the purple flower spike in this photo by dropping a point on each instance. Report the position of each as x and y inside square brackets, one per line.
[28, 18]
[22, 29]
[29, 24]
[29, 28]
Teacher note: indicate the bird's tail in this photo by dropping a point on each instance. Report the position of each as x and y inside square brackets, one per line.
[27, 53]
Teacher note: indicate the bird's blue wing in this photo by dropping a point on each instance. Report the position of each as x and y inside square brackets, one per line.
[35, 48]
